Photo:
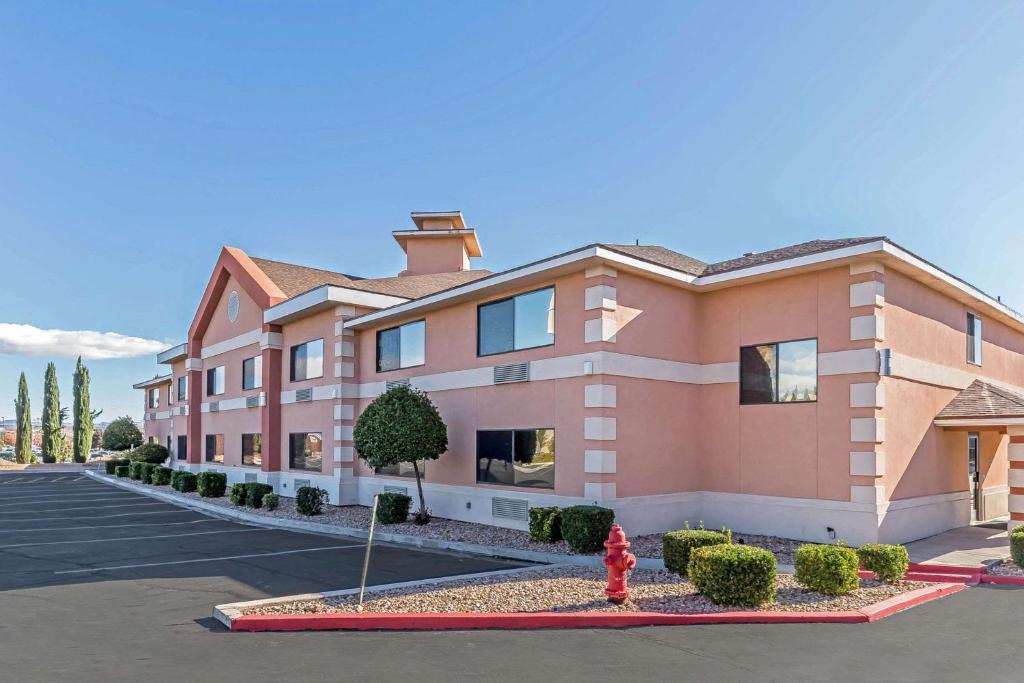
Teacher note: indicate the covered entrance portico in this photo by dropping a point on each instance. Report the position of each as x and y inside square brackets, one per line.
[992, 419]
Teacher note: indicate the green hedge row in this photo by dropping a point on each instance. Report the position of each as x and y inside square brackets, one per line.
[888, 562]
[734, 574]
[211, 484]
[828, 569]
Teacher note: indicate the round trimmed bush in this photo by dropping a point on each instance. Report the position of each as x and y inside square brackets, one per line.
[309, 500]
[161, 476]
[186, 482]
[734, 574]
[135, 470]
[237, 495]
[146, 472]
[888, 562]
[1017, 547]
[112, 464]
[585, 527]
[211, 484]
[393, 508]
[254, 492]
[149, 452]
[121, 471]
[828, 569]
[1018, 530]
[545, 525]
[271, 501]
[676, 546]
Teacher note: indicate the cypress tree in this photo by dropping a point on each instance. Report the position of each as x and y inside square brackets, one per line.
[53, 435]
[23, 415]
[83, 416]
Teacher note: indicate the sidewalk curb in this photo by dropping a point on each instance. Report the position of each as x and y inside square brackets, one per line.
[536, 620]
[382, 536]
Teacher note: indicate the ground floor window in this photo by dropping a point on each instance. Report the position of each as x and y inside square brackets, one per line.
[402, 469]
[182, 447]
[305, 451]
[252, 449]
[516, 457]
[214, 448]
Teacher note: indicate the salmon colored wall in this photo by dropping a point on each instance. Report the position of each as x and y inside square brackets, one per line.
[250, 317]
[656, 320]
[318, 326]
[232, 424]
[435, 255]
[232, 362]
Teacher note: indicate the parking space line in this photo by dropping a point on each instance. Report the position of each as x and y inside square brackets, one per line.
[132, 538]
[207, 559]
[63, 500]
[120, 514]
[90, 507]
[111, 526]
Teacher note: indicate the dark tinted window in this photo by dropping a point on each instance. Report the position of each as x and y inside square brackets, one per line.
[214, 448]
[304, 451]
[496, 327]
[401, 347]
[183, 388]
[252, 449]
[786, 372]
[516, 457]
[402, 469]
[307, 360]
[182, 447]
[252, 372]
[973, 339]
[215, 381]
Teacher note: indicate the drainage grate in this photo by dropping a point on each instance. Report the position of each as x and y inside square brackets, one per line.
[513, 372]
[392, 383]
[303, 395]
[509, 508]
[250, 477]
[252, 401]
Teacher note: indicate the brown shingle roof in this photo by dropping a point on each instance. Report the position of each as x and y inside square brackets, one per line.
[295, 279]
[662, 257]
[983, 400]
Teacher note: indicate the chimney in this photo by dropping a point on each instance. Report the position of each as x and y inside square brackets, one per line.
[441, 243]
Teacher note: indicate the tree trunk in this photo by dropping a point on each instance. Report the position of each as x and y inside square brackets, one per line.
[419, 489]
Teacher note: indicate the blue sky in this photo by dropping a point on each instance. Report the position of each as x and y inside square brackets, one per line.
[137, 138]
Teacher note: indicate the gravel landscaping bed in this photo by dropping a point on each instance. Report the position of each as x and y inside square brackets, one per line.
[1005, 568]
[357, 516]
[579, 589]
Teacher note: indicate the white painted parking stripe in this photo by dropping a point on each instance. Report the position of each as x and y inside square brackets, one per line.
[42, 514]
[64, 500]
[207, 559]
[44, 492]
[121, 514]
[110, 526]
[132, 538]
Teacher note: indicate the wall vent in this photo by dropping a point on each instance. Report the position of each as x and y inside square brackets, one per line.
[299, 483]
[395, 489]
[214, 406]
[303, 395]
[513, 372]
[392, 383]
[510, 508]
[250, 477]
[252, 401]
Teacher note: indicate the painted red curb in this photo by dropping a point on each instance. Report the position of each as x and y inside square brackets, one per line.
[1003, 580]
[536, 620]
[943, 568]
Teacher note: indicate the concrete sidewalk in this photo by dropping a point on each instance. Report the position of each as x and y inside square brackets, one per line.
[968, 546]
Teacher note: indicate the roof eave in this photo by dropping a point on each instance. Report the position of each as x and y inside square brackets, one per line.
[156, 381]
[324, 297]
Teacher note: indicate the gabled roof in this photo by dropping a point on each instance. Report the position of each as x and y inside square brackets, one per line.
[983, 400]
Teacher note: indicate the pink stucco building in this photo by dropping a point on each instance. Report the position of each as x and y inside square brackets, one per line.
[842, 388]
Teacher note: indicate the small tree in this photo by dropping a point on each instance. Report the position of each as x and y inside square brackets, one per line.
[83, 415]
[401, 426]
[121, 434]
[53, 436]
[23, 415]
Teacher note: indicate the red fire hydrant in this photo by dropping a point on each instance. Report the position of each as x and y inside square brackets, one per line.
[619, 562]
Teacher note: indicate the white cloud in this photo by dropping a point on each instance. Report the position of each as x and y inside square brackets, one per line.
[29, 340]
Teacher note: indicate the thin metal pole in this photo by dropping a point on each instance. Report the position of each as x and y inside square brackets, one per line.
[366, 558]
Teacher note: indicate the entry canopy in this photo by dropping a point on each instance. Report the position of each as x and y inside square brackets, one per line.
[983, 404]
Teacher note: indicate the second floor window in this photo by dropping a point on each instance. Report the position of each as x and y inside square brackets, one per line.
[154, 398]
[215, 381]
[214, 448]
[183, 388]
[307, 360]
[402, 346]
[520, 322]
[785, 372]
[973, 339]
[252, 372]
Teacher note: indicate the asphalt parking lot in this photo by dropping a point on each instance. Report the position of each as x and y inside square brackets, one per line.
[98, 584]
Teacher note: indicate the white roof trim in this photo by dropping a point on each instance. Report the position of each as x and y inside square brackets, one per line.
[980, 422]
[324, 295]
[795, 262]
[156, 381]
[172, 354]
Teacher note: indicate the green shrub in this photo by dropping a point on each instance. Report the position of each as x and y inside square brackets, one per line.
[135, 470]
[546, 525]
[734, 574]
[676, 546]
[146, 472]
[237, 495]
[211, 484]
[121, 471]
[586, 527]
[1018, 530]
[309, 500]
[254, 492]
[828, 569]
[186, 482]
[174, 478]
[1017, 548]
[161, 476]
[393, 508]
[112, 464]
[271, 501]
[148, 452]
[888, 562]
